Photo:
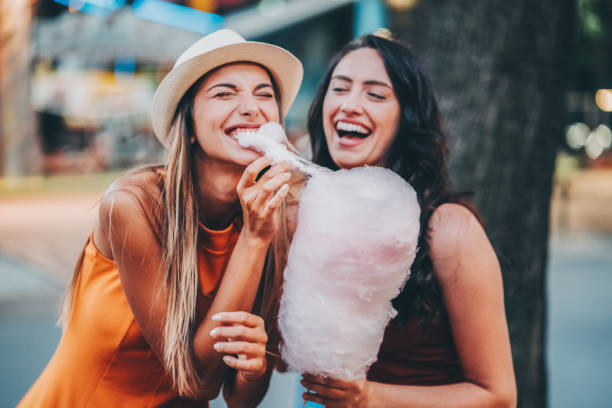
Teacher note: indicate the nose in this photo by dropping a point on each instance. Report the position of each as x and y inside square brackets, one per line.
[248, 106]
[351, 104]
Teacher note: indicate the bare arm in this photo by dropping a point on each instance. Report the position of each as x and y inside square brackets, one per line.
[123, 231]
[260, 200]
[469, 274]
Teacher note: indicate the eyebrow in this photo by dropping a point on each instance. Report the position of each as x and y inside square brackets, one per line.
[263, 85]
[368, 82]
[222, 86]
[232, 86]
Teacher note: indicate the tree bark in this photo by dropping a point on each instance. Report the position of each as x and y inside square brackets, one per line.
[500, 70]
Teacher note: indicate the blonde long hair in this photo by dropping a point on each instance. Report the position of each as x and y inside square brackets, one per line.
[180, 230]
[177, 223]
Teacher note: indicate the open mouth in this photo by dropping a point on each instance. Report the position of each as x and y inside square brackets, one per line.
[235, 131]
[346, 129]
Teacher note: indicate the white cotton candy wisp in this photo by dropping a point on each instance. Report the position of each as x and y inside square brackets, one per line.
[269, 139]
[356, 238]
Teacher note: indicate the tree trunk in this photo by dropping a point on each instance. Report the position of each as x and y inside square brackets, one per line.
[499, 69]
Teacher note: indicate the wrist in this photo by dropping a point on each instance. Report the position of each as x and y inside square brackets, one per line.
[256, 242]
[369, 390]
[257, 376]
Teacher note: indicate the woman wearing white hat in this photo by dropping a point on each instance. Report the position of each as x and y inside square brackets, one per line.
[161, 308]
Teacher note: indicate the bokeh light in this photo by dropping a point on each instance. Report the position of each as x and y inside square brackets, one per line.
[177, 15]
[592, 146]
[402, 4]
[96, 7]
[271, 7]
[603, 135]
[603, 98]
[576, 135]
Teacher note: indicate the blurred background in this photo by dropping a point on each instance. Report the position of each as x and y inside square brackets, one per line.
[526, 88]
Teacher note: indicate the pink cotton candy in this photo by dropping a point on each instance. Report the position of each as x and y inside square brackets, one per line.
[351, 253]
[355, 241]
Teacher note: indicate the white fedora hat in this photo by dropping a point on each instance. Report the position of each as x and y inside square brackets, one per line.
[216, 49]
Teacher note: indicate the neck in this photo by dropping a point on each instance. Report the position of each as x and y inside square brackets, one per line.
[216, 189]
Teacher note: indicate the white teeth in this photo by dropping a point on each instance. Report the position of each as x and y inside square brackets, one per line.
[239, 132]
[351, 127]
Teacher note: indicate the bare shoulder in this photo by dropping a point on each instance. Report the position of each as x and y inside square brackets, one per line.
[137, 191]
[449, 225]
[139, 183]
[456, 238]
[130, 203]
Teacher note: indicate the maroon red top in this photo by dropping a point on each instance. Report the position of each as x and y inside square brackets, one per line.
[410, 357]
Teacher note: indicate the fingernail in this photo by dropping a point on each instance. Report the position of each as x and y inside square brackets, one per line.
[213, 332]
[216, 346]
[226, 359]
[284, 187]
[216, 317]
[286, 174]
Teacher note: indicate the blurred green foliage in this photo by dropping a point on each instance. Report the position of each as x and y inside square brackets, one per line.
[592, 48]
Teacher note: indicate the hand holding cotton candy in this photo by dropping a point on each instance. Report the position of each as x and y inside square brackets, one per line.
[351, 253]
[269, 140]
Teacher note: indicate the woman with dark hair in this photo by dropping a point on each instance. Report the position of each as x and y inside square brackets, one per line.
[448, 345]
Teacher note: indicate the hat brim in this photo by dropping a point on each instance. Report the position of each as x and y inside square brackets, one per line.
[284, 67]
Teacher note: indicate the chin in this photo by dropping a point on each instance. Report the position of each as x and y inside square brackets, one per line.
[245, 157]
[347, 161]
[349, 164]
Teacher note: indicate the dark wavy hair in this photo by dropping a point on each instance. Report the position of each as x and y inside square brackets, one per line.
[418, 154]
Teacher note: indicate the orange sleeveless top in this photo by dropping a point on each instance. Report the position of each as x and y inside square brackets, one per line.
[102, 359]
[408, 356]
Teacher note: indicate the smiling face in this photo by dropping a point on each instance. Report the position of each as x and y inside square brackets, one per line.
[233, 98]
[360, 110]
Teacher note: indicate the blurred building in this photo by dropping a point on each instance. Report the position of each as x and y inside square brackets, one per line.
[94, 70]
